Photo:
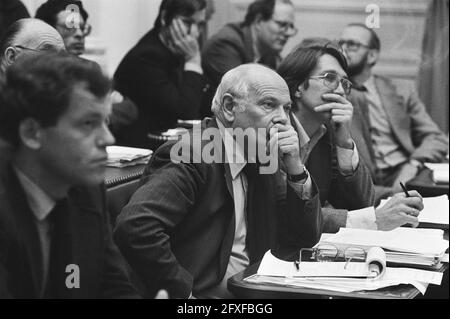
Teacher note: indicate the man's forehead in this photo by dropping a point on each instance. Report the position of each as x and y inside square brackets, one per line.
[283, 11]
[355, 32]
[37, 36]
[328, 63]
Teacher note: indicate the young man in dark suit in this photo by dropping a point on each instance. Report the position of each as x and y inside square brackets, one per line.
[55, 240]
[197, 220]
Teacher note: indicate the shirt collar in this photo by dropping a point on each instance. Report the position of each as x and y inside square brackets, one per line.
[234, 153]
[370, 83]
[40, 202]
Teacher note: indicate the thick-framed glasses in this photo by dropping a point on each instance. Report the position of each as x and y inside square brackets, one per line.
[352, 45]
[85, 29]
[332, 80]
[286, 27]
[331, 253]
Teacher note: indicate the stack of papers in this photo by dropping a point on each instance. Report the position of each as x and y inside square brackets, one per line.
[435, 211]
[404, 246]
[440, 172]
[120, 156]
[278, 272]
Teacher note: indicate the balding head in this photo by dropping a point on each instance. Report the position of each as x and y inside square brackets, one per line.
[251, 92]
[244, 82]
[28, 35]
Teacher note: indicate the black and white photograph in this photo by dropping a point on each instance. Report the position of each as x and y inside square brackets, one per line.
[235, 152]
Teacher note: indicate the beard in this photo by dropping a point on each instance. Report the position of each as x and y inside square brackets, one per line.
[355, 69]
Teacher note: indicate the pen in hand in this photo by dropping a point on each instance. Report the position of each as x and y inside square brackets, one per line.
[404, 189]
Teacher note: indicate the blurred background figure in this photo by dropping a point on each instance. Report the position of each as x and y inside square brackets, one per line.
[162, 73]
[11, 11]
[259, 38]
[25, 37]
[69, 18]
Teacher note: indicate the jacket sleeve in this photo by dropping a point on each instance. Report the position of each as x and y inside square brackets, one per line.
[425, 134]
[143, 228]
[219, 56]
[147, 80]
[115, 282]
[300, 222]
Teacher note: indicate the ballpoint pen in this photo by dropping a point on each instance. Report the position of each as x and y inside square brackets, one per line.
[404, 189]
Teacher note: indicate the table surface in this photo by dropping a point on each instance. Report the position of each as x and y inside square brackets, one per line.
[425, 185]
[243, 289]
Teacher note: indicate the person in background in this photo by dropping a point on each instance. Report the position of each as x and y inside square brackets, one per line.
[70, 19]
[162, 73]
[316, 73]
[260, 38]
[10, 12]
[27, 37]
[392, 129]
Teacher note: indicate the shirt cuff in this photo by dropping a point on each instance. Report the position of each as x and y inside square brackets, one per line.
[362, 218]
[303, 190]
[348, 159]
[189, 66]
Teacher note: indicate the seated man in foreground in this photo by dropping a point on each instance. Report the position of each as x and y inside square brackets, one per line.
[199, 218]
[55, 240]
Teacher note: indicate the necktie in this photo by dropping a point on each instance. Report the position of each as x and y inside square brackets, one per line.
[60, 251]
[260, 212]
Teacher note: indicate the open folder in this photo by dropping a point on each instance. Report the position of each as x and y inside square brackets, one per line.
[274, 271]
[403, 246]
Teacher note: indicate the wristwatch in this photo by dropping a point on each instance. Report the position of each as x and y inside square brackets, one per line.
[298, 177]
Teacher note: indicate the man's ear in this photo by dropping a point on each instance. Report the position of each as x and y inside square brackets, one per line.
[163, 18]
[258, 20]
[30, 133]
[228, 106]
[10, 55]
[373, 56]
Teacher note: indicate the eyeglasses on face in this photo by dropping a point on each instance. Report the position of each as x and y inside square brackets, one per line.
[26, 48]
[352, 45]
[332, 80]
[85, 29]
[286, 27]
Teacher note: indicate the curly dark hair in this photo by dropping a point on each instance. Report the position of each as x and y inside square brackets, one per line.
[40, 87]
[50, 9]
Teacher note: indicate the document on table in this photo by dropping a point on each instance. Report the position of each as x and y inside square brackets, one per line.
[440, 171]
[278, 272]
[402, 239]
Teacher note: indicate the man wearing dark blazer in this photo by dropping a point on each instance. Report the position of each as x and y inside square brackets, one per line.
[162, 73]
[55, 240]
[315, 72]
[260, 38]
[197, 220]
[391, 127]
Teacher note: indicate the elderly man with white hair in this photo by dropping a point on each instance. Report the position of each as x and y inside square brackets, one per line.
[28, 36]
[193, 224]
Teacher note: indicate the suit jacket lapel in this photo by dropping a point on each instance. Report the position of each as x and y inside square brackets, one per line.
[28, 231]
[395, 109]
[361, 128]
[248, 44]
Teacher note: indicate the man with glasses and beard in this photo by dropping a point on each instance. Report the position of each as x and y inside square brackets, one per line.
[316, 74]
[391, 127]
